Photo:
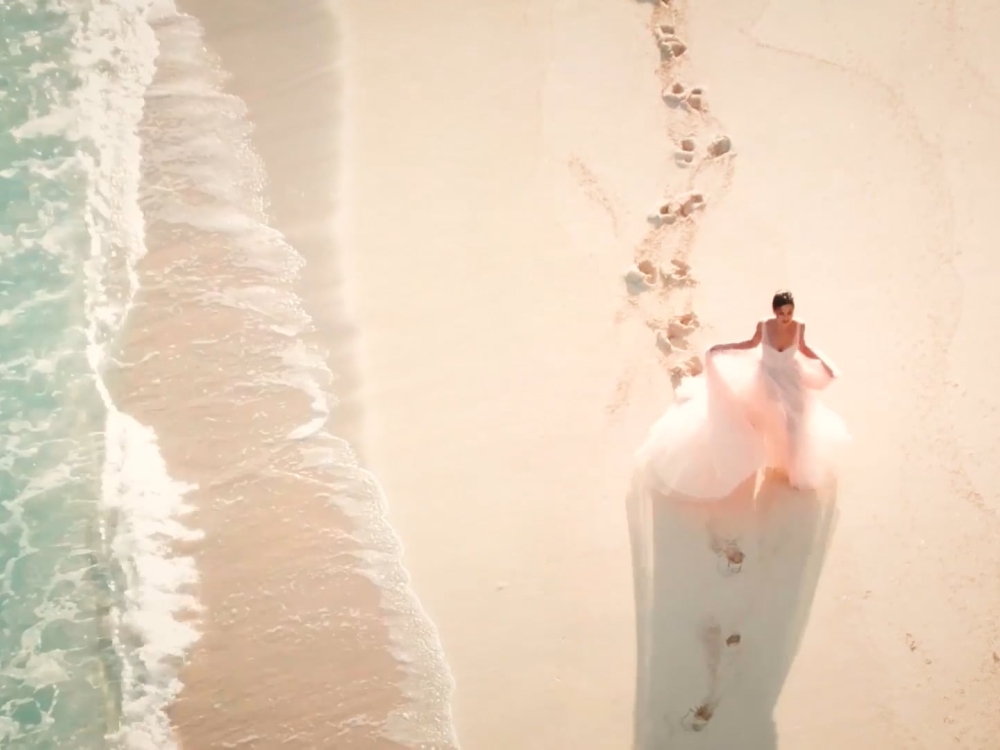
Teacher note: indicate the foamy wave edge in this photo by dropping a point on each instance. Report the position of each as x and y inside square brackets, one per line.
[142, 506]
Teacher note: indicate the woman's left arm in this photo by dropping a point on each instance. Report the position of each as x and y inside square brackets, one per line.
[808, 352]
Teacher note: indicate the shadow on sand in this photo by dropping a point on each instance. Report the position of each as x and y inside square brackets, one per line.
[723, 592]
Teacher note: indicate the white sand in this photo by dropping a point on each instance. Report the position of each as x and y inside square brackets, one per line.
[503, 159]
[862, 183]
[723, 597]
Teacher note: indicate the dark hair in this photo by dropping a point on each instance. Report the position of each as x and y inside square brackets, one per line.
[781, 298]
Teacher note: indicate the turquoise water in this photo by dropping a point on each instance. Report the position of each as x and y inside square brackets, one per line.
[57, 662]
[71, 672]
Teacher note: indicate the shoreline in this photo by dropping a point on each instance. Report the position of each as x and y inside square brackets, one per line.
[295, 560]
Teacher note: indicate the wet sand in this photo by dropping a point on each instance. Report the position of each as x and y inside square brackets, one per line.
[295, 641]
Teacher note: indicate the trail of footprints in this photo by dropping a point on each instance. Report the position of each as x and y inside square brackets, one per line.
[686, 148]
[657, 283]
[654, 276]
[714, 642]
[713, 639]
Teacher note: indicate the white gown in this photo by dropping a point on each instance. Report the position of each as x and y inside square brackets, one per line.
[749, 410]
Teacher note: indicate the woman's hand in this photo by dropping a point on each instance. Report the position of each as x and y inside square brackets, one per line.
[740, 345]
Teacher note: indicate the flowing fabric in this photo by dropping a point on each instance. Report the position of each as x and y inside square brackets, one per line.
[749, 410]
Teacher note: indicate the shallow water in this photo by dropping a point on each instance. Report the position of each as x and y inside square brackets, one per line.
[70, 234]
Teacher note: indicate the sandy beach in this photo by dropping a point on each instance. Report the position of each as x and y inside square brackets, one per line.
[495, 329]
[520, 225]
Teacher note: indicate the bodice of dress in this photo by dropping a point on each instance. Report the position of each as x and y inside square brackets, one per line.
[771, 357]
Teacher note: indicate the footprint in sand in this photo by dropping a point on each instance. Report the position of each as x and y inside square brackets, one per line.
[697, 718]
[648, 269]
[729, 553]
[674, 94]
[641, 277]
[670, 46]
[695, 98]
[685, 152]
[720, 145]
[687, 369]
[682, 326]
[663, 343]
[682, 207]
[667, 213]
[691, 202]
[675, 337]
[734, 639]
[676, 273]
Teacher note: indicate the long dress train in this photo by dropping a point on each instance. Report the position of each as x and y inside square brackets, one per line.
[749, 410]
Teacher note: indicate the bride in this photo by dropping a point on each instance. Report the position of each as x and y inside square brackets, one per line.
[756, 407]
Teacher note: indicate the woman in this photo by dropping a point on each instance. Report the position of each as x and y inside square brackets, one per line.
[756, 407]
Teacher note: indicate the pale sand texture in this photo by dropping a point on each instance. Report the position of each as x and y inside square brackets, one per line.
[504, 158]
[723, 592]
[490, 298]
[865, 181]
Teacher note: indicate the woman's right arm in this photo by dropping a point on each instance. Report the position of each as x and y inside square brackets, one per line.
[748, 344]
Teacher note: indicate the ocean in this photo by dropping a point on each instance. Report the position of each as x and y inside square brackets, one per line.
[76, 599]
[117, 140]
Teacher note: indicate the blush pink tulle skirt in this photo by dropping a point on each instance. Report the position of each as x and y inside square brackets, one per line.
[742, 415]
